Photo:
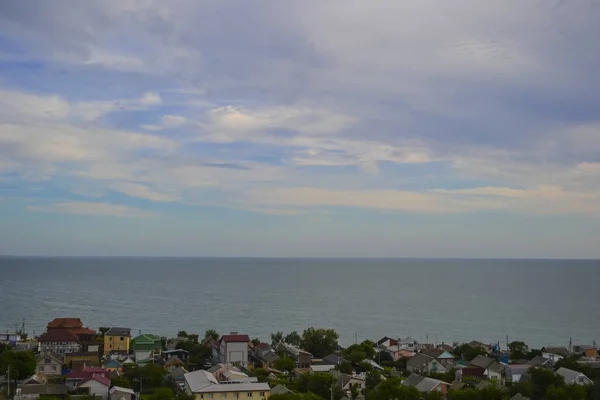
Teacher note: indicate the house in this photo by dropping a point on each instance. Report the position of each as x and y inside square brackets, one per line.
[320, 368]
[178, 353]
[231, 348]
[408, 343]
[113, 365]
[397, 353]
[97, 386]
[302, 358]
[89, 358]
[475, 343]
[373, 364]
[422, 363]
[445, 347]
[76, 378]
[573, 377]
[513, 372]
[332, 359]
[471, 372]
[86, 336]
[218, 370]
[386, 342]
[203, 385]
[443, 356]
[146, 346]
[348, 382]
[555, 354]
[539, 361]
[586, 351]
[58, 342]
[49, 365]
[493, 369]
[121, 393]
[426, 385]
[117, 340]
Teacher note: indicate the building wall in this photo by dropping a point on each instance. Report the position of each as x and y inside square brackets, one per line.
[552, 357]
[52, 368]
[255, 395]
[58, 347]
[89, 360]
[142, 355]
[116, 343]
[431, 367]
[96, 388]
[494, 375]
[118, 396]
[236, 352]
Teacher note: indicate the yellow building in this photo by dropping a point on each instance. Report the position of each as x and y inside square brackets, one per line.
[203, 385]
[117, 340]
[90, 359]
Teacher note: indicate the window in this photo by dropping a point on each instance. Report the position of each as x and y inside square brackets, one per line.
[236, 395]
[54, 368]
[122, 338]
[223, 395]
[209, 395]
[249, 394]
[41, 369]
[262, 394]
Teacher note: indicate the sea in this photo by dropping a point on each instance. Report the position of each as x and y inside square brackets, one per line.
[542, 302]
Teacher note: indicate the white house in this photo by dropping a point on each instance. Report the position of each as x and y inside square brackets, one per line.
[231, 348]
[573, 377]
[58, 342]
[49, 365]
[555, 354]
[514, 372]
[97, 386]
[119, 393]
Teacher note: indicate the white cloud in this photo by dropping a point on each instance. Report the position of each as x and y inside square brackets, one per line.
[151, 98]
[94, 209]
[142, 192]
[173, 121]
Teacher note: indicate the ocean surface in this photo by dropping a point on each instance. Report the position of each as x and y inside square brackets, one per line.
[542, 302]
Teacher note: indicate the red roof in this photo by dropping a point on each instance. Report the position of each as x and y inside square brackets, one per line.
[83, 331]
[473, 371]
[102, 379]
[65, 323]
[235, 338]
[263, 346]
[58, 335]
[88, 373]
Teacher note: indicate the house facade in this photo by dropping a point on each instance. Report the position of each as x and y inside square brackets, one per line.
[302, 358]
[574, 377]
[232, 348]
[422, 363]
[117, 340]
[97, 386]
[49, 365]
[146, 346]
[58, 342]
[89, 358]
[427, 385]
[120, 393]
[86, 337]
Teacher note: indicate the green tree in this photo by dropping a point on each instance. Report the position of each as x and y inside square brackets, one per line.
[385, 359]
[293, 338]
[435, 395]
[22, 364]
[541, 380]
[401, 364]
[285, 364]
[319, 383]
[373, 379]
[320, 342]
[518, 350]
[393, 389]
[276, 338]
[345, 368]
[193, 338]
[121, 381]
[260, 373]
[468, 352]
[533, 353]
[103, 330]
[211, 334]
[296, 396]
[163, 393]
[182, 334]
[567, 392]
[152, 376]
[255, 342]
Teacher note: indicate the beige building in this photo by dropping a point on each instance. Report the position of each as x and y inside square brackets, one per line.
[204, 385]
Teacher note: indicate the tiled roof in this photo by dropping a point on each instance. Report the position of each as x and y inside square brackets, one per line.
[235, 338]
[65, 323]
[58, 336]
[482, 361]
[118, 332]
[99, 378]
[83, 331]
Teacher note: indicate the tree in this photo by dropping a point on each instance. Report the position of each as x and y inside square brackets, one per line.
[320, 342]
[163, 393]
[358, 352]
[152, 376]
[260, 373]
[518, 350]
[402, 363]
[345, 368]
[193, 338]
[211, 334]
[121, 381]
[319, 383]
[435, 395]
[373, 379]
[255, 342]
[276, 338]
[103, 330]
[22, 364]
[285, 364]
[385, 359]
[567, 392]
[541, 380]
[182, 334]
[295, 396]
[393, 389]
[293, 338]
[468, 352]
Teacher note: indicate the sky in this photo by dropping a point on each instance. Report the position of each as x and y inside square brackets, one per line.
[304, 128]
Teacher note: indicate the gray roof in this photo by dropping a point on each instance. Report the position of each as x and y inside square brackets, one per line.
[482, 361]
[47, 389]
[118, 332]
[280, 389]
[435, 353]
[198, 380]
[419, 361]
[496, 367]
[421, 383]
[120, 390]
[321, 368]
[538, 361]
[332, 359]
[516, 368]
[563, 351]
[203, 382]
[568, 374]
[413, 380]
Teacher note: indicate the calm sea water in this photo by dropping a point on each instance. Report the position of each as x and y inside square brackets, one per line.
[540, 301]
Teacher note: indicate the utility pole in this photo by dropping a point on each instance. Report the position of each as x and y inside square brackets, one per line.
[507, 347]
[570, 344]
[8, 393]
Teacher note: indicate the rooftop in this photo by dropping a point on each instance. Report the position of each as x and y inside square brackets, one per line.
[235, 338]
[115, 331]
[58, 336]
[65, 323]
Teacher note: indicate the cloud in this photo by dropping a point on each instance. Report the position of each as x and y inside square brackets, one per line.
[93, 209]
[142, 192]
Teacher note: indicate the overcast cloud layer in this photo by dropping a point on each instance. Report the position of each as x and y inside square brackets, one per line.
[302, 128]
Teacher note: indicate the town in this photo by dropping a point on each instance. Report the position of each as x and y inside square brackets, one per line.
[72, 361]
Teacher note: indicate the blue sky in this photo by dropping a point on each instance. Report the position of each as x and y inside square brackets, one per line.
[413, 128]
